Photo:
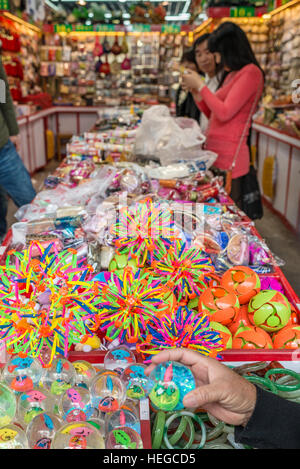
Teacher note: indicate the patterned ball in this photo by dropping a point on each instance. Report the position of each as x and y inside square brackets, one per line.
[219, 304]
[224, 332]
[242, 319]
[288, 337]
[294, 319]
[243, 280]
[269, 310]
[251, 338]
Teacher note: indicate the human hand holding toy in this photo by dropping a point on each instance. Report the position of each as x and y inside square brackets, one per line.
[219, 390]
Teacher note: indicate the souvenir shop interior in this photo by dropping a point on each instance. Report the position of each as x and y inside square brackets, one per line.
[128, 264]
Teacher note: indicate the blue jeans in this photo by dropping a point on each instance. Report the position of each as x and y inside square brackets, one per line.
[14, 180]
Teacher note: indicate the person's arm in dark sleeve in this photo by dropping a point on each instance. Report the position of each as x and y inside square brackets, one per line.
[7, 108]
[274, 424]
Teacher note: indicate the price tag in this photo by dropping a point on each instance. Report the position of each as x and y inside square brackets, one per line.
[144, 409]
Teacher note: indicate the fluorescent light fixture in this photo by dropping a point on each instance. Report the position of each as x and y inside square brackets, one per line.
[108, 15]
[51, 5]
[126, 15]
[116, 1]
[186, 6]
[181, 17]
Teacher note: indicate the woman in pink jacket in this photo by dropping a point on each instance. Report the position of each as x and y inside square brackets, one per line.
[230, 109]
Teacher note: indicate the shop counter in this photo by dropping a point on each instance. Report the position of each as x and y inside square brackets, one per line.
[60, 120]
[283, 175]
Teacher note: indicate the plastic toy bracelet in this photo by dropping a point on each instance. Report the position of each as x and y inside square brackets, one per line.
[184, 421]
[187, 421]
[284, 387]
[192, 429]
[251, 368]
[263, 383]
[217, 446]
[215, 422]
[215, 432]
[158, 429]
[290, 395]
[285, 379]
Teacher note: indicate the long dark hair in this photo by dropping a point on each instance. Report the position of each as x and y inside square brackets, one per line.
[233, 45]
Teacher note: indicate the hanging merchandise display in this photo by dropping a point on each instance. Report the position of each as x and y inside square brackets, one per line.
[20, 58]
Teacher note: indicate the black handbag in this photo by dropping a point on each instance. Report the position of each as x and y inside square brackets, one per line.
[251, 197]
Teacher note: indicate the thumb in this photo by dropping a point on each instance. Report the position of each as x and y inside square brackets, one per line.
[202, 395]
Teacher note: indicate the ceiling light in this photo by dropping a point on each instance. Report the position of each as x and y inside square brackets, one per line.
[181, 17]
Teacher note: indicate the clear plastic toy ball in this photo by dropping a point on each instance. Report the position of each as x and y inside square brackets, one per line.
[99, 423]
[8, 405]
[42, 429]
[76, 405]
[124, 438]
[22, 374]
[12, 437]
[170, 382]
[118, 359]
[60, 376]
[85, 372]
[78, 435]
[108, 392]
[122, 418]
[136, 382]
[132, 406]
[34, 402]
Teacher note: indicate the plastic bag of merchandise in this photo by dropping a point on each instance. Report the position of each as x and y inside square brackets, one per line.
[204, 160]
[167, 138]
[46, 203]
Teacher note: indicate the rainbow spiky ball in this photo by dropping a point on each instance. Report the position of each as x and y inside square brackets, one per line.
[46, 300]
[183, 329]
[127, 304]
[269, 310]
[183, 269]
[143, 230]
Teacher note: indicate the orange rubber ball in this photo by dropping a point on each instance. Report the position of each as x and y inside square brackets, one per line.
[220, 304]
[243, 280]
[242, 319]
[287, 338]
[251, 338]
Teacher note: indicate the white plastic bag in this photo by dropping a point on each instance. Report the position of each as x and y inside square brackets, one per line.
[167, 138]
[182, 169]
